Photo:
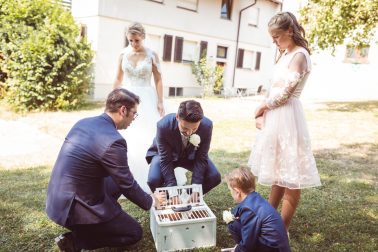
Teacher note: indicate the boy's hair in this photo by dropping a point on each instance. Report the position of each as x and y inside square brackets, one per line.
[241, 178]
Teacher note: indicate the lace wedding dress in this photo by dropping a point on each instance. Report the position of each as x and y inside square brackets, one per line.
[140, 134]
[282, 152]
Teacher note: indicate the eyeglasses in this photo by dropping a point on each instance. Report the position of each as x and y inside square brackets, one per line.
[135, 114]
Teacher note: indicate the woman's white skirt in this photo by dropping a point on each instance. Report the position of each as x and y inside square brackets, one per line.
[282, 152]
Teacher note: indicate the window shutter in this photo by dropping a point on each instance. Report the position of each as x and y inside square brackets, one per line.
[167, 52]
[179, 41]
[258, 59]
[203, 49]
[239, 63]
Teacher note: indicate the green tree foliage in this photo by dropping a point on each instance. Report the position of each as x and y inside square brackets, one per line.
[329, 23]
[46, 61]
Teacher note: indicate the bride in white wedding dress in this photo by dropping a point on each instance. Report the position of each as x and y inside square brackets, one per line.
[137, 64]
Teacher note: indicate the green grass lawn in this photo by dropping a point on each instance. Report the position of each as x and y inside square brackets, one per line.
[341, 215]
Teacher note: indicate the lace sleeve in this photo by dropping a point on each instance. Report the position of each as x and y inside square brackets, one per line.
[156, 62]
[291, 82]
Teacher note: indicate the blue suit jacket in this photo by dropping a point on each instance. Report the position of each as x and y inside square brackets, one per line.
[168, 144]
[92, 150]
[260, 222]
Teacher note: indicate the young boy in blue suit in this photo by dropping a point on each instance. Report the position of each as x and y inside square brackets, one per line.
[255, 225]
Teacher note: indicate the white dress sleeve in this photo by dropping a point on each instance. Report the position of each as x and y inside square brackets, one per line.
[291, 81]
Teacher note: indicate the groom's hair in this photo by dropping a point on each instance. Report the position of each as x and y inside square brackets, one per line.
[120, 97]
[190, 111]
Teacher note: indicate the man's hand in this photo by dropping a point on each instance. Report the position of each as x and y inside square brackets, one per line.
[160, 199]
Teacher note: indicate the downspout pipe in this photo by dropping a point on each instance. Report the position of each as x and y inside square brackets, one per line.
[237, 40]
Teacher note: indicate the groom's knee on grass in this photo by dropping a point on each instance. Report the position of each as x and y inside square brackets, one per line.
[211, 183]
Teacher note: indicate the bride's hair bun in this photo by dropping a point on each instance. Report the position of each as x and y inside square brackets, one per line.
[137, 28]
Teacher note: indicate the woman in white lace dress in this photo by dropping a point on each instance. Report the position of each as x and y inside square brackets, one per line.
[137, 64]
[281, 156]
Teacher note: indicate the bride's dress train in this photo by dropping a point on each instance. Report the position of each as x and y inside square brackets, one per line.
[140, 134]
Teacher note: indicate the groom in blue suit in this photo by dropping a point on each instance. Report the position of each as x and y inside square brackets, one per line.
[182, 140]
[90, 174]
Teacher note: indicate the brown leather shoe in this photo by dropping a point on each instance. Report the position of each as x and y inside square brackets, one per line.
[65, 243]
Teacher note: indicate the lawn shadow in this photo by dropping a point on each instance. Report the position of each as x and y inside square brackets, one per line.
[341, 215]
[356, 106]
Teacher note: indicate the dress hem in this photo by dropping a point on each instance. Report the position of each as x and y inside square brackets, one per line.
[291, 188]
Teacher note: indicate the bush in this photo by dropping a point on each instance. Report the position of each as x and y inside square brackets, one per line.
[204, 75]
[218, 79]
[3, 77]
[48, 64]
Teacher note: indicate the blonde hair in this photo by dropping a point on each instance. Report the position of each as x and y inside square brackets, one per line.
[136, 28]
[286, 20]
[241, 178]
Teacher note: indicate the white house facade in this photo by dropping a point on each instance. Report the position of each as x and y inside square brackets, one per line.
[232, 33]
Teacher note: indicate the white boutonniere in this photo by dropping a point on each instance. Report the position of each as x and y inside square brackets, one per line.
[228, 217]
[195, 140]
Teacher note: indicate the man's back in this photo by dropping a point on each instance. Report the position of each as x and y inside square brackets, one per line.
[261, 224]
[77, 180]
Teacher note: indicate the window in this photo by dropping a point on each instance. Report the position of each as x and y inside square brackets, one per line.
[185, 50]
[203, 49]
[189, 53]
[357, 55]
[253, 16]
[167, 51]
[188, 4]
[179, 41]
[222, 52]
[248, 59]
[67, 4]
[226, 9]
[176, 91]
